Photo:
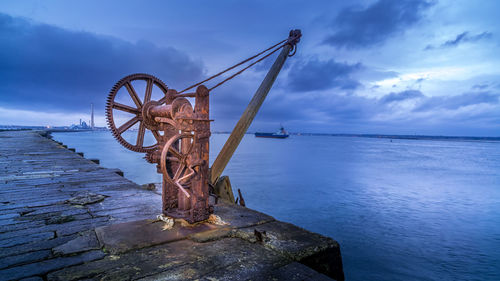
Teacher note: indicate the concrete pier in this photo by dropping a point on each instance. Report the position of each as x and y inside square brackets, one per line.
[64, 217]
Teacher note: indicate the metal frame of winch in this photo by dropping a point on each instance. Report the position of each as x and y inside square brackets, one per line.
[182, 132]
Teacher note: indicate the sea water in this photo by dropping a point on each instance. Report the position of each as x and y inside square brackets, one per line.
[400, 209]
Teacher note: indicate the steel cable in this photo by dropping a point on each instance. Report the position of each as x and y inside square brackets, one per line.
[238, 64]
[250, 65]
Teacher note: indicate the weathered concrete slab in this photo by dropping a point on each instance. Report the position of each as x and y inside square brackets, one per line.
[291, 240]
[319, 252]
[63, 217]
[123, 237]
[181, 260]
[212, 235]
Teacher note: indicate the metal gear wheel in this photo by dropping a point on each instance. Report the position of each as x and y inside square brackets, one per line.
[151, 81]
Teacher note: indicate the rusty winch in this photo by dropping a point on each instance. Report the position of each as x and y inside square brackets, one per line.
[181, 132]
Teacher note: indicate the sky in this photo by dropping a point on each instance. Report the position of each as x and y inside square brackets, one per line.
[362, 67]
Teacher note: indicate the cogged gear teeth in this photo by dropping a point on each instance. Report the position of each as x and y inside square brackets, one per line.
[110, 103]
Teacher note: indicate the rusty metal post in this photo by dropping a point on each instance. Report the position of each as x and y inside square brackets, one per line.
[200, 207]
[248, 115]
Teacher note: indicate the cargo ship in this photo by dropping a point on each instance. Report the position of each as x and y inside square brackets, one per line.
[281, 134]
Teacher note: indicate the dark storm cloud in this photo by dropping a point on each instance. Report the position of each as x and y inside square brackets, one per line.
[457, 101]
[44, 67]
[314, 75]
[357, 28]
[401, 96]
[462, 38]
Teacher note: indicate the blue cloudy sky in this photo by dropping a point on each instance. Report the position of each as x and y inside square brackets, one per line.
[368, 66]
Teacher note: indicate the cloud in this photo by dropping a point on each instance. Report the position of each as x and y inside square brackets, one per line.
[465, 37]
[312, 75]
[457, 101]
[401, 96]
[373, 74]
[350, 113]
[331, 111]
[48, 68]
[480, 86]
[358, 28]
[462, 38]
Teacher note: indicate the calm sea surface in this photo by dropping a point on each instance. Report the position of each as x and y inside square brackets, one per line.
[401, 210]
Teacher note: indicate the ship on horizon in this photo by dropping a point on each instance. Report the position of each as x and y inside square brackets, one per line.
[281, 134]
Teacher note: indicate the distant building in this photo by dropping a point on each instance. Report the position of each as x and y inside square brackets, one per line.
[83, 126]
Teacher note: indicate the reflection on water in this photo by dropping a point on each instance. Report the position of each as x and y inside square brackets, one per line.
[401, 210]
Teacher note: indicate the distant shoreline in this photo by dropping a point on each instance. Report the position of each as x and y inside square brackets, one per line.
[404, 137]
[407, 137]
[381, 136]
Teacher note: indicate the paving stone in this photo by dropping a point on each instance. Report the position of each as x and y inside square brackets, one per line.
[85, 197]
[24, 258]
[82, 225]
[8, 216]
[129, 213]
[20, 225]
[63, 224]
[63, 219]
[35, 246]
[84, 242]
[43, 267]
[8, 221]
[19, 240]
[62, 209]
[34, 278]
[129, 199]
